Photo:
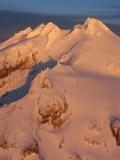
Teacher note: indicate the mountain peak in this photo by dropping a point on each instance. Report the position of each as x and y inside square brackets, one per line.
[51, 24]
[48, 27]
[36, 31]
[92, 25]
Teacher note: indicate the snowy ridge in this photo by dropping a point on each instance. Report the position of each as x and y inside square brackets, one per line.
[59, 93]
[50, 41]
[16, 38]
[92, 25]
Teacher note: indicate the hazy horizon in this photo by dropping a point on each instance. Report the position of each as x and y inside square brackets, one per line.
[12, 21]
[17, 15]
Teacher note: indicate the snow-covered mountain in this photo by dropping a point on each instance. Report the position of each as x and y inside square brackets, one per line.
[59, 93]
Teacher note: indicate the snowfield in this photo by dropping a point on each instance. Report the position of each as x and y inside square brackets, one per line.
[60, 93]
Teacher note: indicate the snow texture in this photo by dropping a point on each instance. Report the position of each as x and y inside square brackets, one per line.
[59, 93]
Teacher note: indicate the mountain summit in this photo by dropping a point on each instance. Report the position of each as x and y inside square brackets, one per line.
[91, 24]
[91, 45]
[59, 93]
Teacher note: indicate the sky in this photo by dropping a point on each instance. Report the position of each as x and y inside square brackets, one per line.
[72, 12]
[60, 6]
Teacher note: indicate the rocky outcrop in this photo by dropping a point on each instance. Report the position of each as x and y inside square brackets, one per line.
[115, 127]
[27, 63]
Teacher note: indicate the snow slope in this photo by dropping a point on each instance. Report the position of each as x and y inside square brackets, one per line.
[60, 94]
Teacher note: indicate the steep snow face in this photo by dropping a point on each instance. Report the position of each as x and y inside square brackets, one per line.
[36, 31]
[90, 45]
[93, 26]
[48, 28]
[69, 111]
[16, 38]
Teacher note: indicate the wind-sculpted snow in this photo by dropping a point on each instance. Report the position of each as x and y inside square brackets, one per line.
[82, 44]
[20, 92]
[59, 93]
[115, 127]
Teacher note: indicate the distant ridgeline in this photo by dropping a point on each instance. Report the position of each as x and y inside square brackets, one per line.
[12, 22]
